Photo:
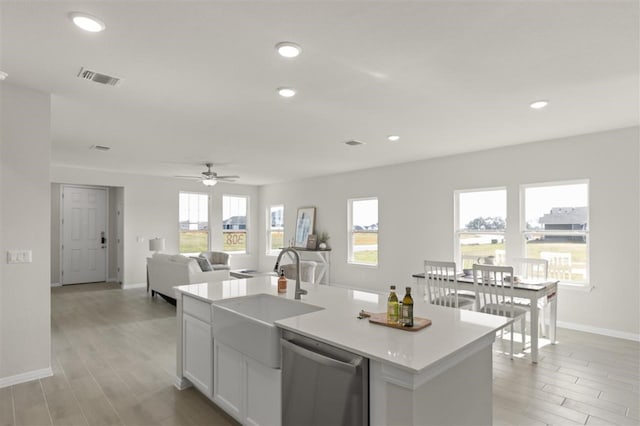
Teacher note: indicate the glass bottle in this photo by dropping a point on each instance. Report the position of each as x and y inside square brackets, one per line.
[392, 306]
[407, 309]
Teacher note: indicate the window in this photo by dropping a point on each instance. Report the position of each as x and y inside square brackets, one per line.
[555, 227]
[275, 229]
[234, 224]
[363, 231]
[481, 222]
[194, 222]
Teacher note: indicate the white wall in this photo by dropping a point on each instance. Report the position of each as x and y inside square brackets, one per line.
[416, 216]
[151, 210]
[25, 325]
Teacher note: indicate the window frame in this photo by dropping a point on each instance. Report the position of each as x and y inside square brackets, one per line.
[246, 228]
[269, 230]
[585, 233]
[180, 193]
[350, 232]
[459, 231]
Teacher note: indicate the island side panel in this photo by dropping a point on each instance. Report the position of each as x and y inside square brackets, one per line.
[461, 395]
[180, 381]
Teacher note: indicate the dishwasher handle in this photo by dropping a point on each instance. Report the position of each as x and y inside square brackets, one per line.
[350, 367]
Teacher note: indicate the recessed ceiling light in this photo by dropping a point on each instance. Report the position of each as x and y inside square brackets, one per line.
[286, 49]
[539, 104]
[3, 75]
[286, 92]
[393, 138]
[87, 22]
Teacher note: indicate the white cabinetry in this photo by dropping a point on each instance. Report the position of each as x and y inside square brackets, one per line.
[244, 388]
[197, 360]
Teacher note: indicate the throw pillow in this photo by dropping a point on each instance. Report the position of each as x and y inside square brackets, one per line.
[205, 266]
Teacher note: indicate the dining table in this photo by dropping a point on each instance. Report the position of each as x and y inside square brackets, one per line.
[538, 293]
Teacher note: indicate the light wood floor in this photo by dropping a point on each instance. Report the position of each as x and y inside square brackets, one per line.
[113, 357]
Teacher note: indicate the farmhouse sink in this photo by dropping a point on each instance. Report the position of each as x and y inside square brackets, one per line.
[246, 324]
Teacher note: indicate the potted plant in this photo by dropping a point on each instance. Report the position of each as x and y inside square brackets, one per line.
[323, 240]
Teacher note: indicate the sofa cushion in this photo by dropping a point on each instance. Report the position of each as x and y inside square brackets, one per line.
[161, 256]
[178, 258]
[205, 266]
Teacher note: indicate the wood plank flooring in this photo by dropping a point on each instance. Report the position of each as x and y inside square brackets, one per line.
[113, 358]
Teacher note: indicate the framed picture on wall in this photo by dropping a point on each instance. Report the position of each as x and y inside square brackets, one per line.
[304, 225]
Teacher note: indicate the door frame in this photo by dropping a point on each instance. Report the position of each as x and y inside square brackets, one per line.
[61, 215]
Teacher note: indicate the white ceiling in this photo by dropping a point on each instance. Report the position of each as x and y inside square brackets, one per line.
[200, 80]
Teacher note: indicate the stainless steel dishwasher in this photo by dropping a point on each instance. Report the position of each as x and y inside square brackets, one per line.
[322, 384]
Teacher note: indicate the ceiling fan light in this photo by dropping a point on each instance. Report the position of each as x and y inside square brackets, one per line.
[209, 182]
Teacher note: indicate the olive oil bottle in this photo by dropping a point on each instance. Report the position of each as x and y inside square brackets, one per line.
[392, 306]
[407, 309]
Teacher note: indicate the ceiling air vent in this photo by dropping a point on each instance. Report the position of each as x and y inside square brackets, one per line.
[100, 147]
[86, 74]
[353, 143]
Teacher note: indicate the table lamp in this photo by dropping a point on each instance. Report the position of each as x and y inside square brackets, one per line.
[156, 244]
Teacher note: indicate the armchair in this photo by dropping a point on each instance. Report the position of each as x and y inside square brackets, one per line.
[218, 260]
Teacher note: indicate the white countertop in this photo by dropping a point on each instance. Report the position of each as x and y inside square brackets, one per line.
[452, 330]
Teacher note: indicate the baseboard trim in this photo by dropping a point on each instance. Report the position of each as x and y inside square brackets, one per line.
[181, 383]
[25, 377]
[56, 285]
[598, 330]
[133, 285]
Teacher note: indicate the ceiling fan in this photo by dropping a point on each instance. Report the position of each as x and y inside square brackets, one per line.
[210, 178]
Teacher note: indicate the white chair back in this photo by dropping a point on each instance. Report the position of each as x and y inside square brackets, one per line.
[530, 268]
[441, 283]
[492, 285]
[559, 264]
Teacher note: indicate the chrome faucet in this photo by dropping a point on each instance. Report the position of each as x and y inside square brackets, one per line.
[299, 291]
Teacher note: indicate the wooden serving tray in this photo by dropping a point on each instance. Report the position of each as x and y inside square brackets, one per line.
[381, 319]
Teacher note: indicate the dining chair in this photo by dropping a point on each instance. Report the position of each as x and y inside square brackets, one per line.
[442, 285]
[529, 268]
[494, 295]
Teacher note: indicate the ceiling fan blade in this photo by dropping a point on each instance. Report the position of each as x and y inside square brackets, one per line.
[227, 177]
[189, 177]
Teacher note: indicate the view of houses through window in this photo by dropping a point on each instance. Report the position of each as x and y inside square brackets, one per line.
[193, 216]
[480, 225]
[275, 229]
[554, 224]
[234, 224]
[363, 229]
[555, 228]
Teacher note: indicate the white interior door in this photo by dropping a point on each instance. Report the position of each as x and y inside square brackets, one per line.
[84, 232]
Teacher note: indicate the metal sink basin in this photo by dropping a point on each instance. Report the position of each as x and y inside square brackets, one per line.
[246, 324]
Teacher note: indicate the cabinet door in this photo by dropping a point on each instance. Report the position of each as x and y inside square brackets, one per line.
[229, 380]
[197, 353]
[262, 394]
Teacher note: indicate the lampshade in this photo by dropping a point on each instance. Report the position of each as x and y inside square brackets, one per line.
[156, 244]
[209, 182]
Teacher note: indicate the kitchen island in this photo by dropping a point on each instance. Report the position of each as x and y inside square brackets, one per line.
[439, 375]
